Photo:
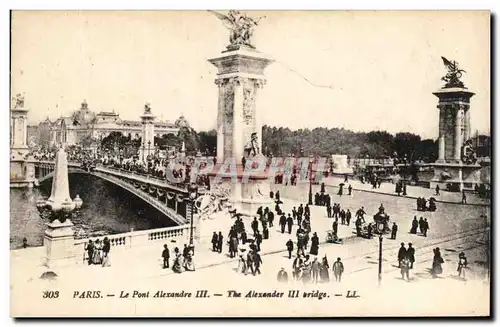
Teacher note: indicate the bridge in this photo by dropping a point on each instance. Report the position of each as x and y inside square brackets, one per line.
[169, 199]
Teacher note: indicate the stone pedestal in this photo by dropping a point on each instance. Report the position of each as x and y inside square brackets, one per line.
[59, 244]
[240, 78]
[248, 191]
[455, 177]
[454, 130]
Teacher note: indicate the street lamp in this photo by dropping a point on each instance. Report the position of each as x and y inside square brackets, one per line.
[310, 202]
[193, 193]
[380, 227]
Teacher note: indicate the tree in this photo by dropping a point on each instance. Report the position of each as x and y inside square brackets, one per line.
[208, 140]
[405, 145]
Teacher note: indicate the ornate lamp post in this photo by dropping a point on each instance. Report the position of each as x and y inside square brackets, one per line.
[193, 194]
[310, 202]
[380, 227]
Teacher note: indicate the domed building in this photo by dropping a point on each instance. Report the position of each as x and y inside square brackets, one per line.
[84, 123]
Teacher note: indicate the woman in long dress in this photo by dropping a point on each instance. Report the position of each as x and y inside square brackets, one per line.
[324, 275]
[242, 265]
[437, 262]
[97, 258]
[178, 266]
[106, 247]
[306, 271]
[188, 262]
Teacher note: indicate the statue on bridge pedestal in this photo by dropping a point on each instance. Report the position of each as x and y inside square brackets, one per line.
[468, 153]
[452, 77]
[240, 25]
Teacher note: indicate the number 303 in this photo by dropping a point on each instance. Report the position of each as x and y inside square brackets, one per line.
[50, 294]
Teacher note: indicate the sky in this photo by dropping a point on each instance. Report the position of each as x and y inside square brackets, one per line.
[381, 67]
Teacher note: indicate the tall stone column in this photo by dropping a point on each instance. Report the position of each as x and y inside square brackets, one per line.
[220, 120]
[148, 133]
[458, 133]
[467, 128]
[240, 75]
[238, 141]
[441, 149]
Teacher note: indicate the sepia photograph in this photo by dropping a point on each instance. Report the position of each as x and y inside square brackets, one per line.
[243, 163]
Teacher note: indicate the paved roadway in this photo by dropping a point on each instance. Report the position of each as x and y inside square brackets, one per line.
[453, 228]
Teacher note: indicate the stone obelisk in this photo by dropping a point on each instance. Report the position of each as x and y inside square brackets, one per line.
[59, 195]
[59, 240]
[240, 79]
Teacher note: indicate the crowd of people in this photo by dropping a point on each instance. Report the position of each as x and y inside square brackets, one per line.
[97, 253]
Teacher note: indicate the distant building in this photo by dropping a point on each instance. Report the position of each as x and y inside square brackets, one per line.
[85, 124]
[482, 145]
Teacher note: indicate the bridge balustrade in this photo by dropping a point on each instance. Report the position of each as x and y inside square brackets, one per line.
[138, 238]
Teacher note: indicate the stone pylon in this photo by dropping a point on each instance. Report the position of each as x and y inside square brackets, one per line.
[59, 195]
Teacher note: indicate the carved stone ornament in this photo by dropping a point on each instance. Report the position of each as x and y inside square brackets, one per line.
[248, 102]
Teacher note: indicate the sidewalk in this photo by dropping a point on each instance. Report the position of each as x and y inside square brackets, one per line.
[145, 261]
[413, 192]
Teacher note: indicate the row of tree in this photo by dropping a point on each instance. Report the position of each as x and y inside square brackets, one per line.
[283, 141]
[324, 142]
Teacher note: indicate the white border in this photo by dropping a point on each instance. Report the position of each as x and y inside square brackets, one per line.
[6, 5]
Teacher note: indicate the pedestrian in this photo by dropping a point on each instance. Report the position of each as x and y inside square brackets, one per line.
[282, 223]
[282, 276]
[258, 240]
[338, 270]
[242, 265]
[437, 189]
[106, 247]
[405, 269]
[214, 242]
[315, 266]
[335, 226]
[323, 271]
[307, 211]
[437, 262]
[426, 227]
[462, 264]
[464, 197]
[314, 244]
[401, 254]
[349, 189]
[25, 242]
[410, 254]
[329, 211]
[255, 226]
[270, 218]
[289, 222]
[90, 251]
[394, 231]
[257, 262]
[414, 226]
[421, 225]
[166, 256]
[348, 216]
[220, 242]
[289, 248]
[369, 230]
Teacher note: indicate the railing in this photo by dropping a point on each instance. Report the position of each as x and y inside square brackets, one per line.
[140, 177]
[139, 238]
[159, 205]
